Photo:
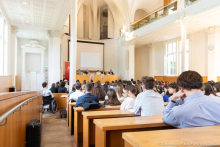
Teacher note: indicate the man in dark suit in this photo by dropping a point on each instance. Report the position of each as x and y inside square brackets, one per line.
[111, 72]
[87, 96]
[103, 72]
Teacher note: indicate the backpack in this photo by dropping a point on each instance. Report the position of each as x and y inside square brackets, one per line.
[90, 104]
[63, 113]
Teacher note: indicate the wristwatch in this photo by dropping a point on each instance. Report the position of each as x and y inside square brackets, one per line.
[173, 101]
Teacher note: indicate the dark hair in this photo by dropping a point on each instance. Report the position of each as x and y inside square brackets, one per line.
[89, 87]
[107, 83]
[208, 89]
[73, 88]
[138, 89]
[217, 86]
[84, 82]
[119, 90]
[105, 88]
[44, 84]
[190, 80]
[132, 89]
[174, 86]
[58, 83]
[148, 82]
[62, 84]
[98, 91]
[53, 85]
[78, 85]
[112, 98]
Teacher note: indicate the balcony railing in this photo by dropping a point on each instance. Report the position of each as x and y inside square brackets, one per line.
[154, 16]
[190, 2]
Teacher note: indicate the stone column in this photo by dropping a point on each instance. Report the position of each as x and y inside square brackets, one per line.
[73, 49]
[14, 30]
[54, 56]
[213, 53]
[131, 49]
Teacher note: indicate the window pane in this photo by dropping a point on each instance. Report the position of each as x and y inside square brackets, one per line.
[180, 63]
[187, 44]
[165, 65]
[174, 47]
[170, 48]
[187, 61]
[170, 64]
[180, 46]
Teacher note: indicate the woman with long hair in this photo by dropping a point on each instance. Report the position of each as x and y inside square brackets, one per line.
[208, 90]
[121, 95]
[112, 98]
[129, 102]
[98, 91]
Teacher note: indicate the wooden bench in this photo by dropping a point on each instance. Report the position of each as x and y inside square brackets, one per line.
[61, 100]
[78, 120]
[70, 119]
[188, 136]
[108, 132]
[89, 126]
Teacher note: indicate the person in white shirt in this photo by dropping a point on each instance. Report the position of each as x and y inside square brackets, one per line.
[46, 91]
[148, 102]
[98, 73]
[128, 103]
[77, 93]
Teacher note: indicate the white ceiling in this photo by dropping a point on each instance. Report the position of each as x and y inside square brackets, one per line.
[196, 23]
[37, 15]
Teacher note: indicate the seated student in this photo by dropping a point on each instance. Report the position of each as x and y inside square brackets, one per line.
[128, 103]
[66, 85]
[208, 90]
[138, 89]
[74, 96]
[62, 88]
[79, 72]
[98, 91]
[98, 73]
[166, 94]
[120, 94]
[216, 88]
[46, 91]
[198, 110]
[172, 88]
[87, 72]
[111, 72]
[103, 72]
[148, 102]
[73, 90]
[53, 88]
[112, 98]
[105, 88]
[87, 96]
[57, 85]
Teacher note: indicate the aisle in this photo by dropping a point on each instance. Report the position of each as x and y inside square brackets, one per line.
[55, 132]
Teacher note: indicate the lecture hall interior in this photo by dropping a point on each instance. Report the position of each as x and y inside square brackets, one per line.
[109, 73]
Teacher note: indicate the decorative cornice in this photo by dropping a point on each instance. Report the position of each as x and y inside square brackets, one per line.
[213, 30]
[55, 33]
[14, 29]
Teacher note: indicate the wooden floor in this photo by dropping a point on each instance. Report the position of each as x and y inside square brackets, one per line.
[55, 132]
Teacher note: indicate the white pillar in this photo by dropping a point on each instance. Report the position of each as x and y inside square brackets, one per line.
[123, 59]
[116, 70]
[95, 20]
[131, 49]
[23, 62]
[42, 63]
[73, 49]
[54, 56]
[213, 53]
[183, 23]
[181, 4]
[14, 30]
[151, 59]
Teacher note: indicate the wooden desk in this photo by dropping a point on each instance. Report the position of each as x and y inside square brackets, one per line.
[61, 100]
[89, 126]
[209, 134]
[78, 121]
[71, 115]
[70, 112]
[96, 78]
[108, 132]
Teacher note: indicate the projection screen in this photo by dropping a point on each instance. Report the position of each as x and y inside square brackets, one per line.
[89, 55]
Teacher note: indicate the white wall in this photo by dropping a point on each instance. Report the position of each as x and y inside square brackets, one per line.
[139, 14]
[159, 52]
[80, 23]
[141, 62]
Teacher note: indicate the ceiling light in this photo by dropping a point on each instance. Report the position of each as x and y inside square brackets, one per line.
[25, 3]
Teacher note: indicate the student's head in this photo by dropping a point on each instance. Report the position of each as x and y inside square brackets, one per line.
[173, 87]
[107, 83]
[89, 87]
[119, 90]
[74, 87]
[105, 88]
[62, 84]
[148, 83]
[44, 85]
[98, 71]
[207, 89]
[113, 100]
[189, 80]
[53, 85]
[87, 70]
[98, 91]
[138, 89]
[216, 87]
[78, 85]
[78, 69]
[132, 90]
[84, 82]
[103, 70]
[66, 82]
[58, 83]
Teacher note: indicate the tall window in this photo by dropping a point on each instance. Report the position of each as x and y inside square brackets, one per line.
[170, 59]
[3, 45]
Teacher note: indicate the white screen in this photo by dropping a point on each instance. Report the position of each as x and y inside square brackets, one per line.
[89, 56]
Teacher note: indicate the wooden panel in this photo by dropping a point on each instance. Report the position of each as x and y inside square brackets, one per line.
[205, 79]
[187, 135]
[96, 78]
[7, 80]
[166, 78]
[14, 132]
[60, 100]
[218, 79]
